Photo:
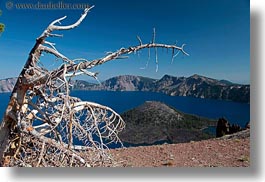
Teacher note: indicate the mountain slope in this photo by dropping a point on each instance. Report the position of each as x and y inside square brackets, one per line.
[203, 87]
[7, 85]
[194, 86]
[125, 83]
[155, 121]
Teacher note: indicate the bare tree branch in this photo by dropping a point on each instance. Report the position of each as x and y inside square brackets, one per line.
[115, 55]
[140, 41]
[43, 122]
[55, 53]
[53, 27]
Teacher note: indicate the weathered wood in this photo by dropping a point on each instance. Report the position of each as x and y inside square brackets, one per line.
[9, 124]
[42, 119]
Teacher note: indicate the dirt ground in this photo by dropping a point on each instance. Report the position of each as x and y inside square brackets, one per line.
[233, 152]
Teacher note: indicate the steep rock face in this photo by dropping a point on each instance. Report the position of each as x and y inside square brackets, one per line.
[225, 128]
[81, 85]
[194, 86]
[155, 121]
[125, 83]
[203, 87]
[7, 85]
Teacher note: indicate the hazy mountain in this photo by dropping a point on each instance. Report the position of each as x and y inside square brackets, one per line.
[125, 83]
[203, 87]
[194, 86]
[7, 85]
[82, 85]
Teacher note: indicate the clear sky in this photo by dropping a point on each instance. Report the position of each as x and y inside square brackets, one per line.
[216, 34]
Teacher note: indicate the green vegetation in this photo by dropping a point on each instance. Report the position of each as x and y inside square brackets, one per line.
[156, 121]
[2, 28]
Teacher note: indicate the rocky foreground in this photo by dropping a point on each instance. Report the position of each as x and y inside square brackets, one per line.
[228, 151]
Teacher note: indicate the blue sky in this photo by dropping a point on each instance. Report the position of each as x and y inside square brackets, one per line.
[216, 34]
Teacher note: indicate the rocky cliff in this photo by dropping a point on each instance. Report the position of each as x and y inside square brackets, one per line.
[126, 83]
[194, 86]
[7, 85]
[203, 87]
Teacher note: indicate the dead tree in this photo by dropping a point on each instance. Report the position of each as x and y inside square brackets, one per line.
[42, 121]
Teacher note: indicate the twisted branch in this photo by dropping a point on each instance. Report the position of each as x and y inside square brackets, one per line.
[45, 126]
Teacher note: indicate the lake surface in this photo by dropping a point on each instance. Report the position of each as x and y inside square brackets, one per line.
[238, 113]
[4, 99]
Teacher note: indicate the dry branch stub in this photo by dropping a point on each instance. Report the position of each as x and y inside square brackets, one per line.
[45, 126]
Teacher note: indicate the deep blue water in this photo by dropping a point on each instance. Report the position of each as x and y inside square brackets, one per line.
[4, 98]
[238, 113]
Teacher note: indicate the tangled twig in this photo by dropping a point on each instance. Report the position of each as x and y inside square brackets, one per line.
[45, 126]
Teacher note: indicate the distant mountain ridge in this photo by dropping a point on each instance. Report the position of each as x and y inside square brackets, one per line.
[123, 83]
[194, 86]
[7, 85]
